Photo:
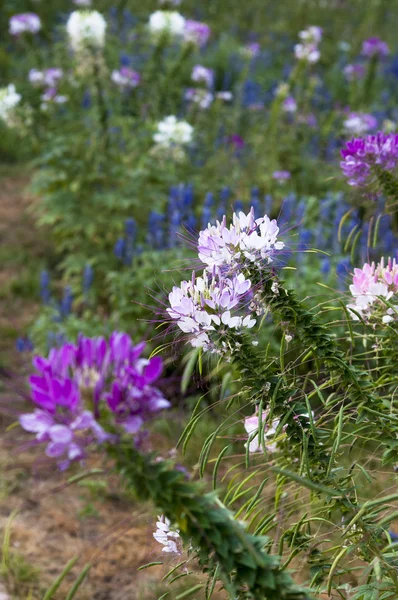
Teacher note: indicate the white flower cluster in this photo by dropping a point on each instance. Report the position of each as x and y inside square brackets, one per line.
[169, 22]
[9, 99]
[171, 132]
[166, 536]
[86, 28]
[307, 50]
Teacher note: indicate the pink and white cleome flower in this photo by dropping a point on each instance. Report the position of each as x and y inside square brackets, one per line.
[205, 304]
[370, 286]
[246, 239]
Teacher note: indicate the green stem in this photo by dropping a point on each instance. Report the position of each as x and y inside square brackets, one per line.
[222, 544]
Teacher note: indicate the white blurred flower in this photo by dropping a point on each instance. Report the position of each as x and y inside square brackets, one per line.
[86, 28]
[307, 52]
[84, 3]
[9, 99]
[359, 123]
[200, 97]
[166, 536]
[166, 21]
[225, 96]
[171, 131]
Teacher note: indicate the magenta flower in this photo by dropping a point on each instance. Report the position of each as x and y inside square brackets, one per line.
[362, 156]
[93, 374]
[24, 23]
[374, 46]
[60, 419]
[236, 141]
[196, 32]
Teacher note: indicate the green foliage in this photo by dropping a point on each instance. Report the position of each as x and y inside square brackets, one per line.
[244, 568]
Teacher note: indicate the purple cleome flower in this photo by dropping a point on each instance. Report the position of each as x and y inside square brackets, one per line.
[24, 23]
[204, 304]
[196, 32]
[126, 78]
[48, 77]
[362, 155]
[281, 176]
[93, 374]
[374, 46]
[354, 72]
[253, 49]
[204, 75]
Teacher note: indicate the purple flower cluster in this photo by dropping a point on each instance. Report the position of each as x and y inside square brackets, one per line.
[77, 385]
[354, 72]
[196, 32]
[362, 155]
[24, 23]
[205, 307]
[374, 46]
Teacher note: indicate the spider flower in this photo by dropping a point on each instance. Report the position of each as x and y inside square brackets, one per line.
[48, 77]
[357, 123]
[196, 33]
[251, 426]
[199, 96]
[86, 28]
[374, 46]
[9, 99]
[201, 74]
[24, 23]
[60, 419]
[76, 384]
[204, 308]
[281, 176]
[166, 535]
[362, 157]
[307, 50]
[169, 22]
[126, 78]
[246, 240]
[354, 72]
[171, 132]
[370, 286]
